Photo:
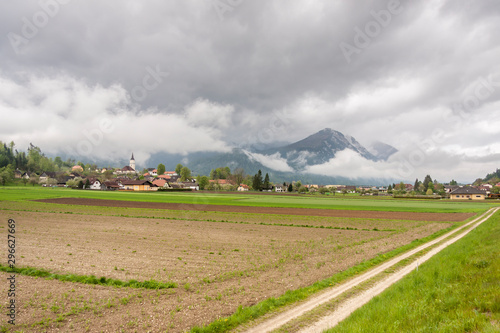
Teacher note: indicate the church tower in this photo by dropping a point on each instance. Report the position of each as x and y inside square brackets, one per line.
[132, 162]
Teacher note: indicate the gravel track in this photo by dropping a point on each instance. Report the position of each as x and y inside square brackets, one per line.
[349, 305]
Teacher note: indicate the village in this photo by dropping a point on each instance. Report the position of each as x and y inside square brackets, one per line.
[153, 179]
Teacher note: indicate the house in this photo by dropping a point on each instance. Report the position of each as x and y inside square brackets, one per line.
[110, 186]
[450, 188]
[95, 184]
[126, 170]
[47, 175]
[160, 182]
[347, 188]
[243, 187]
[467, 193]
[18, 174]
[192, 185]
[221, 181]
[77, 168]
[63, 180]
[154, 172]
[28, 175]
[484, 188]
[138, 185]
[281, 188]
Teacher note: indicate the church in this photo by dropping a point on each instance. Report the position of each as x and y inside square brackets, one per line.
[128, 169]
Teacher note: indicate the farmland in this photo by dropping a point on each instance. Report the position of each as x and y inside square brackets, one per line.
[217, 260]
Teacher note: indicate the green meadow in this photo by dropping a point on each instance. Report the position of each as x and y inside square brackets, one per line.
[455, 291]
[24, 193]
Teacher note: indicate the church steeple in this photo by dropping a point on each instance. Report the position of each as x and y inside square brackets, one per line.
[132, 162]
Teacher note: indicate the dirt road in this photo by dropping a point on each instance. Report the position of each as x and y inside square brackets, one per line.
[348, 306]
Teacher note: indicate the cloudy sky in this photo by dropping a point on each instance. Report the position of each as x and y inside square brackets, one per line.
[104, 78]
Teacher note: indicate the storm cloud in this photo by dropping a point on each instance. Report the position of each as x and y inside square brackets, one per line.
[186, 76]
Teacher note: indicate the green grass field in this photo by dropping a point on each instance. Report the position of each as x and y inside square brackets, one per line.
[238, 199]
[455, 291]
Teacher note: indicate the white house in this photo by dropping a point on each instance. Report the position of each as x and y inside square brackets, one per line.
[95, 184]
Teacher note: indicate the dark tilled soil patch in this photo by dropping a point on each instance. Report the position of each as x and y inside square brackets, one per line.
[452, 217]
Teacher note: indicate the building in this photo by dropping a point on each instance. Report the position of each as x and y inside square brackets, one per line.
[243, 187]
[132, 162]
[467, 193]
[160, 182]
[110, 186]
[138, 185]
[192, 185]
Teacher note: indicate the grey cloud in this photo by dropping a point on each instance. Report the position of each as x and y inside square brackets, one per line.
[264, 57]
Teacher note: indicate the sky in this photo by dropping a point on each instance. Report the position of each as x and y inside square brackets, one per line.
[100, 79]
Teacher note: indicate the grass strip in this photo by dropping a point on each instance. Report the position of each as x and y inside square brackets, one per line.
[246, 314]
[454, 291]
[86, 279]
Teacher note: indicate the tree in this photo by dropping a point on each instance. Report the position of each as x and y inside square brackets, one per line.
[333, 189]
[34, 180]
[59, 162]
[266, 184]
[238, 176]
[427, 181]
[108, 174]
[290, 188]
[6, 174]
[87, 183]
[453, 182]
[402, 187]
[185, 174]
[323, 190]
[178, 169]
[429, 192]
[202, 182]
[298, 185]
[160, 169]
[415, 186]
[257, 181]
[303, 189]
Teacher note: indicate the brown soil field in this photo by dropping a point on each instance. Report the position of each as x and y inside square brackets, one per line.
[218, 266]
[454, 217]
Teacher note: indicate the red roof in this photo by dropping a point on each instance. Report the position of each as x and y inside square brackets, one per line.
[221, 181]
[160, 182]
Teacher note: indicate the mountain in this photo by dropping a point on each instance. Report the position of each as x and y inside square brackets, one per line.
[382, 151]
[319, 148]
[288, 162]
